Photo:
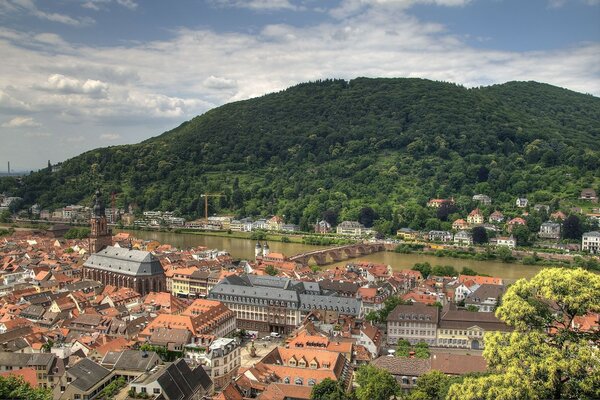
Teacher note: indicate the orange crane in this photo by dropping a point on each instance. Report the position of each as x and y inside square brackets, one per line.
[206, 196]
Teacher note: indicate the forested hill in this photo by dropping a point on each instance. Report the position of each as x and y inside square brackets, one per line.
[336, 145]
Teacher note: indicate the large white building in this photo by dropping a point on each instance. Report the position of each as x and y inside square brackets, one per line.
[415, 323]
[590, 242]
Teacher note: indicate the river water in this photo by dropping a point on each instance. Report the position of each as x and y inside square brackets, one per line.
[244, 249]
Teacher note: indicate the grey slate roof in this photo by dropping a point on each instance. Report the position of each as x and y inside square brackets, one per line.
[346, 305]
[179, 382]
[484, 292]
[414, 312]
[125, 261]
[302, 295]
[86, 374]
[131, 360]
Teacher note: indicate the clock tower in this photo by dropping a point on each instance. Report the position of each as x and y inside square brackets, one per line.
[100, 235]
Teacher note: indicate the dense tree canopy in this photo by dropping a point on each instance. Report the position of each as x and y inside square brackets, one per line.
[380, 145]
[375, 383]
[546, 356]
[15, 387]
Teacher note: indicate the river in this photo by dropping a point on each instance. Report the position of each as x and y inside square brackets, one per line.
[244, 249]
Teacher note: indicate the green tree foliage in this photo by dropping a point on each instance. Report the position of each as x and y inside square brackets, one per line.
[432, 385]
[15, 387]
[423, 268]
[5, 216]
[77, 233]
[389, 304]
[522, 235]
[444, 270]
[375, 383]
[403, 348]
[327, 389]
[112, 389]
[271, 270]
[572, 228]
[545, 357]
[386, 144]
[468, 271]
[504, 254]
[422, 350]
[480, 235]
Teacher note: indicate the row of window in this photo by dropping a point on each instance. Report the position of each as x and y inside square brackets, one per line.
[299, 381]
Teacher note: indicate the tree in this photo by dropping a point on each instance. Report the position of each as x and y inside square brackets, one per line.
[15, 387]
[331, 216]
[271, 270]
[423, 268]
[521, 234]
[375, 383]
[367, 216]
[572, 228]
[446, 270]
[480, 235]
[468, 271]
[432, 385]
[327, 389]
[5, 216]
[422, 350]
[545, 357]
[402, 348]
[472, 308]
[504, 254]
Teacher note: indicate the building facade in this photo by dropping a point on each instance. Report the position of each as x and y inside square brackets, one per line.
[590, 242]
[135, 269]
[275, 304]
[415, 323]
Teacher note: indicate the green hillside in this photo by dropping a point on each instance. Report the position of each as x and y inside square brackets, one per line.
[334, 145]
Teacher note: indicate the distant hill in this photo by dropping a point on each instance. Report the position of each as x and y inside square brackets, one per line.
[389, 144]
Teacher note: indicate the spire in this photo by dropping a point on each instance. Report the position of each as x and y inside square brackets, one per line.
[98, 205]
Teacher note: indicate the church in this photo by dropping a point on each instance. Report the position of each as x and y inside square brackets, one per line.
[120, 267]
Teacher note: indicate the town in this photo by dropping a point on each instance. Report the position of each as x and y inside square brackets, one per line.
[112, 316]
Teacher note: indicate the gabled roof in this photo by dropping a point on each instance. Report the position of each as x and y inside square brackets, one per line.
[86, 374]
[125, 261]
[179, 382]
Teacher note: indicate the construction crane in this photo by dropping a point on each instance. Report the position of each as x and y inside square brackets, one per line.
[206, 196]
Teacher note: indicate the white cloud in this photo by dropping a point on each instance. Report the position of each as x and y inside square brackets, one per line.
[347, 8]
[259, 4]
[215, 82]
[560, 3]
[19, 122]
[29, 7]
[132, 5]
[68, 85]
[110, 136]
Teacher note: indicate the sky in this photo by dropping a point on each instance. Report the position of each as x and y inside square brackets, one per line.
[81, 74]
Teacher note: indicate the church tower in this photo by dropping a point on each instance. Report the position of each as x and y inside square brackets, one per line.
[100, 235]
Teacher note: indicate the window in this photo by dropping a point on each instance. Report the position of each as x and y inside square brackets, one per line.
[143, 389]
[77, 396]
[298, 381]
[156, 391]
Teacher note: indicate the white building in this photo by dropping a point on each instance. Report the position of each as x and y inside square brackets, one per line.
[463, 238]
[351, 228]
[590, 242]
[522, 202]
[507, 241]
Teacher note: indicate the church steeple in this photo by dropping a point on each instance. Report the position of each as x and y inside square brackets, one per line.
[98, 207]
[100, 234]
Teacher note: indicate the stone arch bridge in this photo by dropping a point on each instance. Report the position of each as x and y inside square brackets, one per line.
[336, 254]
